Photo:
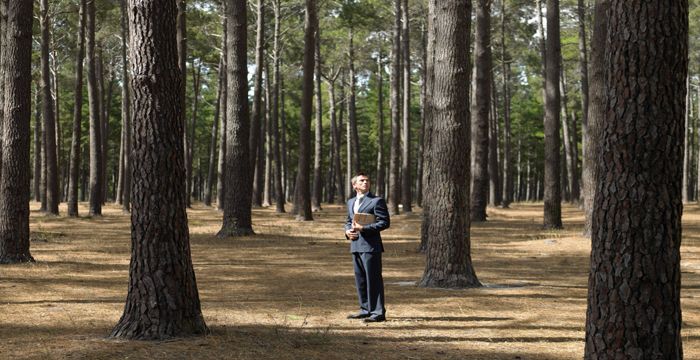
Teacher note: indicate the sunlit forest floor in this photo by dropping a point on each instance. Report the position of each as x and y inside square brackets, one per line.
[284, 293]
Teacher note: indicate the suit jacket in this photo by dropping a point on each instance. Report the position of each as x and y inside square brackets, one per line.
[370, 240]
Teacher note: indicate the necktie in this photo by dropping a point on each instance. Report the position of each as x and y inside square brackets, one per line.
[358, 202]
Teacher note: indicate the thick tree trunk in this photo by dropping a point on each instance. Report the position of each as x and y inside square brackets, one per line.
[394, 177]
[162, 300]
[77, 117]
[14, 184]
[596, 110]
[3, 25]
[481, 108]
[406, 195]
[237, 204]
[303, 198]
[634, 308]
[552, 186]
[381, 168]
[95, 126]
[448, 258]
[257, 114]
[318, 133]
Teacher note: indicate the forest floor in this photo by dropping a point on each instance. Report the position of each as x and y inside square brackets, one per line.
[284, 292]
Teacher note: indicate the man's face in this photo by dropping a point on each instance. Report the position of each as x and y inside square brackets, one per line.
[361, 185]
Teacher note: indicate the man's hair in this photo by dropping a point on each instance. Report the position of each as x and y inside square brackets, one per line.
[357, 175]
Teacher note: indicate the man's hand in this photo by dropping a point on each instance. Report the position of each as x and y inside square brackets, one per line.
[352, 234]
[357, 227]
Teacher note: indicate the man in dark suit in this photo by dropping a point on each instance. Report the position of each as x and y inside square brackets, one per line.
[366, 248]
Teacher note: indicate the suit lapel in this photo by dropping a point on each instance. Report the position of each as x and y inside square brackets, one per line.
[365, 202]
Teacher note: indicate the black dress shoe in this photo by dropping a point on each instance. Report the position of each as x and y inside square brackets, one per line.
[358, 316]
[375, 318]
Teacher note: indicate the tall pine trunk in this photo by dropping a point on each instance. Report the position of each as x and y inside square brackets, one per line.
[211, 169]
[381, 168]
[237, 204]
[316, 192]
[552, 185]
[95, 126]
[634, 305]
[394, 166]
[279, 180]
[77, 117]
[223, 104]
[406, 196]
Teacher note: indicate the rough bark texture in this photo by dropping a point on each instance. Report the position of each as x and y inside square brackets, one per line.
[257, 114]
[634, 309]
[428, 123]
[95, 126]
[406, 195]
[303, 198]
[318, 133]
[596, 110]
[162, 300]
[238, 189]
[448, 258]
[3, 25]
[394, 177]
[552, 186]
[182, 66]
[77, 117]
[481, 107]
[14, 184]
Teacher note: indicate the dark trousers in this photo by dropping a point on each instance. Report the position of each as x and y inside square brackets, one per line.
[369, 282]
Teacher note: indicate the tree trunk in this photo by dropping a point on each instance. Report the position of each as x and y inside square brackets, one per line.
[406, 196]
[634, 308]
[495, 180]
[394, 177]
[481, 108]
[352, 113]
[3, 25]
[14, 184]
[448, 258]
[286, 179]
[223, 127]
[182, 66]
[77, 117]
[303, 198]
[37, 145]
[583, 65]
[265, 141]
[381, 169]
[126, 113]
[421, 136]
[568, 151]
[107, 105]
[318, 133]
[255, 124]
[237, 213]
[427, 173]
[214, 131]
[552, 186]
[279, 180]
[52, 189]
[685, 189]
[162, 300]
[196, 87]
[596, 110]
[95, 128]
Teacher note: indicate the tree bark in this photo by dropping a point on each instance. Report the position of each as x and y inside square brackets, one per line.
[77, 117]
[126, 113]
[583, 65]
[427, 173]
[214, 131]
[182, 66]
[335, 133]
[448, 258]
[406, 196]
[596, 110]
[279, 180]
[552, 186]
[381, 168]
[394, 176]
[685, 189]
[255, 123]
[162, 300]
[95, 126]
[237, 204]
[303, 198]
[14, 183]
[265, 141]
[421, 135]
[318, 133]
[37, 145]
[481, 108]
[508, 177]
[223, 127]
[3, 26]
[634, 308]
[568, 160]
[352, 113]
[196, 80]
[495, 175]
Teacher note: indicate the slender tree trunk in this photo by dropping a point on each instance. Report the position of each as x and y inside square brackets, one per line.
[568, 151]
[634, 305]
[381, 169]
[348, 144]
[265, 142]
[286, 179]
[279, 179]
[429, 121]
[95, 128]
[495, 180]
[196, 87]
[697, 182]
[107, 105]
[14, 184]
[448, 258]
[596, 110]
[223, 127]
[352, 108]
[237, 205]
[52, 190]
[126, 113]
[552, 186]
[583, 65]
[162, 300]
[256, 116]
[53, 69]
[303, 198]
[406, 195]
[77, 117]
[394, 166]
[37, 144]
[481, 108]
[421, 135]
[685, 189]
[318, 133]
[214, 131]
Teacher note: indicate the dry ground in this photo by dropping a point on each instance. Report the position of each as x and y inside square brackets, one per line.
[284, 293]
